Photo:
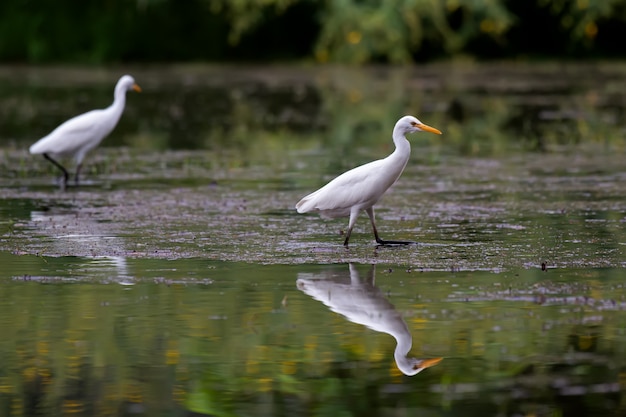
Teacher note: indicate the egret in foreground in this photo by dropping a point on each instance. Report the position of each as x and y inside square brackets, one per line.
[362, 187]
[82, 133]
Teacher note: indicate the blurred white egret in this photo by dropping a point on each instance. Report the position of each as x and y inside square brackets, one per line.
[362, 187]
[82, 133]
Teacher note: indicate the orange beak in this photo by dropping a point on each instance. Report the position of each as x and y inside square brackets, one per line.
[427, 128]
[136, 88]
[427, 363]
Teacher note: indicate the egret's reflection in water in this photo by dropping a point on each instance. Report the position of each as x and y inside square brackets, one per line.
[360, 301]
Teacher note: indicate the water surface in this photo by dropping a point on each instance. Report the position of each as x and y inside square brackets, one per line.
[152, 336]
[179, 279]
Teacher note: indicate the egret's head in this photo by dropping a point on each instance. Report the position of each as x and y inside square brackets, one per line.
[413, 366]
[410, 124]
[128, 83]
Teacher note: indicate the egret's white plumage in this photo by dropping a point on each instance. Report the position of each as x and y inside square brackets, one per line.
[362, 187]
[82, 133]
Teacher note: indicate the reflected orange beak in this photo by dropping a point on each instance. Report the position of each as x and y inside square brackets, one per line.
[136, 88]
[427, 363]
[427, 128]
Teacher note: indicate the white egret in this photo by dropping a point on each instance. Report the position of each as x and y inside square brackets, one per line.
[82, 133]
[362, 187]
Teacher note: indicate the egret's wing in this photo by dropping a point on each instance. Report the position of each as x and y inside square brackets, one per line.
[359, 185]
[70, 135]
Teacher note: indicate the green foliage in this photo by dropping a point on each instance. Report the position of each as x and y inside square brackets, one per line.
[244, 15]
[579, 18]
[347, 31]
[358, 32]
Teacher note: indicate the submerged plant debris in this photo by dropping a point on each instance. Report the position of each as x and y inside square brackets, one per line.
[564, 209]
[210, 161]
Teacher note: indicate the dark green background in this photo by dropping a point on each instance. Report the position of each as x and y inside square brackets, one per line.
[117, 31]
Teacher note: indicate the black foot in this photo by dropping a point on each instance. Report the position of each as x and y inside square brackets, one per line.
[394, 242]
[63, 183]
[66, 176]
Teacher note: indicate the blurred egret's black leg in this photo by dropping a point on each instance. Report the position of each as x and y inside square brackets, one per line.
[66, 176]
[370, 213]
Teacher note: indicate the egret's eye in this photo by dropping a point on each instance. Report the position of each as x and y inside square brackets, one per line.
[413, 124]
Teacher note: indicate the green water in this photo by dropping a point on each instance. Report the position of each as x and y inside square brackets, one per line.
[179, 279]
[104, 336]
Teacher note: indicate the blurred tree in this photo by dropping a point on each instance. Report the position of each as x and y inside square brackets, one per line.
[244, 15]
[360, 31]
[397, 31]
[567, 27]
[347, 31]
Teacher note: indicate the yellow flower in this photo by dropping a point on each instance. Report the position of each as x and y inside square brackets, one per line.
[591, 30]
[354, 37]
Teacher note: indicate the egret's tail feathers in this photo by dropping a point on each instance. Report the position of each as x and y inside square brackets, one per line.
[308, 203]
[302, 206]
[36, 148]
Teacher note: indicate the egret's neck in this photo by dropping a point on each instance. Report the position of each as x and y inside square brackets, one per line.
[404, 344]
[401, 333]
[403, 147]
[119, 100]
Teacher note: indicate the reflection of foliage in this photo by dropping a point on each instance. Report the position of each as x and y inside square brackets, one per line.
[244, 119]
[231, 348]
[262, 113]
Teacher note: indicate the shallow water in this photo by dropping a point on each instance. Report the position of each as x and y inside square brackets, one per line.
[178, 278]
[102, 336]
[513, 211]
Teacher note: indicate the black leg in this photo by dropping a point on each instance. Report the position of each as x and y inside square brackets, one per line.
[345, 242]
[66, 176]
[370, 213]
